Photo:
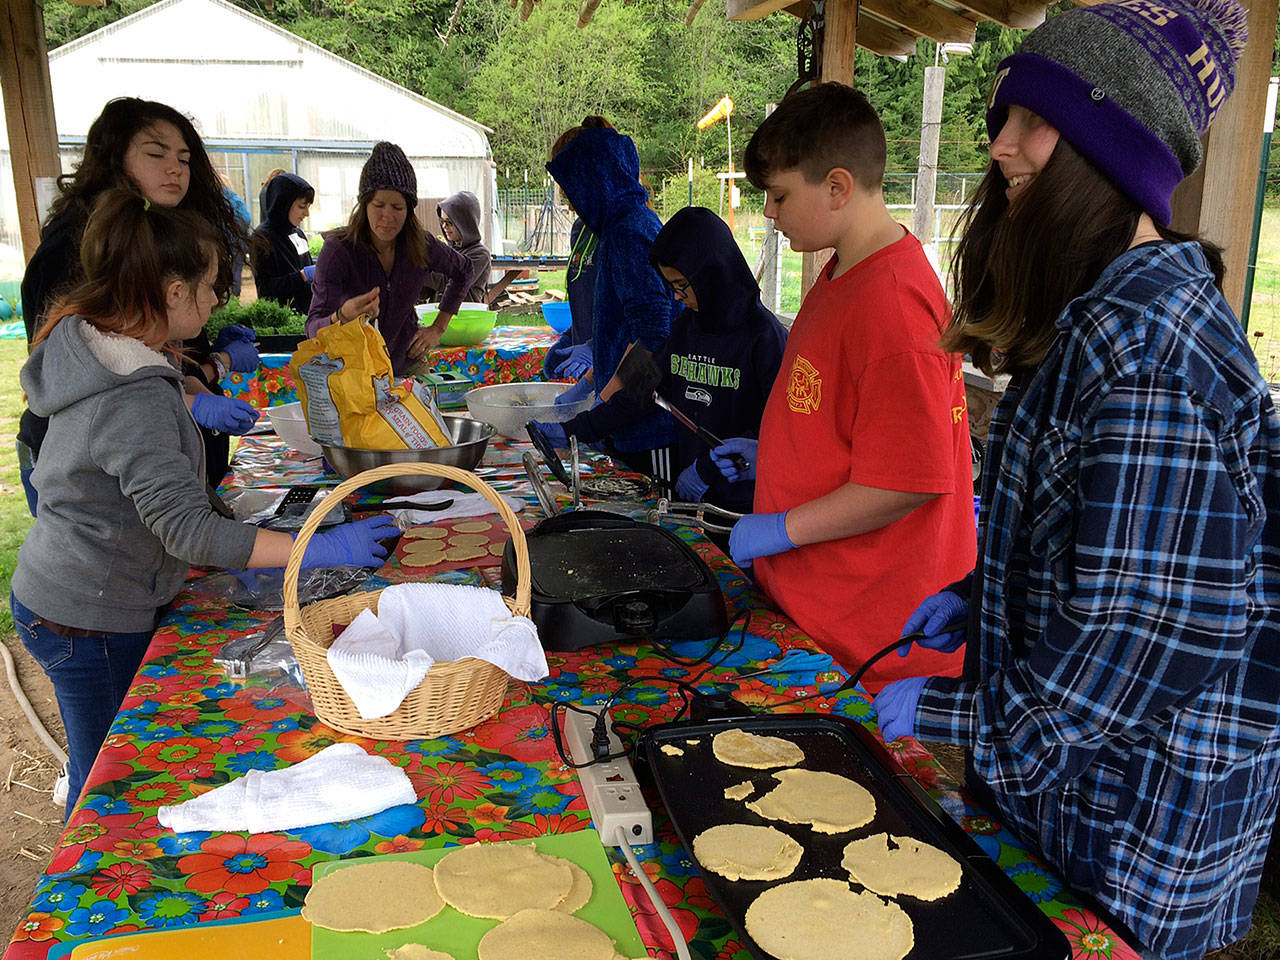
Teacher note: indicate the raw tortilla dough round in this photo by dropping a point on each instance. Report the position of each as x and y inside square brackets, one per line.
[472, 526]
[469, 540]
[742, 749]
[741, 851]
[824, 919]
[417, 951]
[739, 791]
[915, 869]
[498, 880]
[456, 554]
[580, 892]
[373, 897]
[427, 533]
[827, 802]
[497, 549]
[545, 935]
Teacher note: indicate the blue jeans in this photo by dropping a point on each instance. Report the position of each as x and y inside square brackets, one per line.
[90, 675]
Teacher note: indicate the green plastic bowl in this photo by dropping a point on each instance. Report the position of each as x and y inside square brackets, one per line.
[466, 329]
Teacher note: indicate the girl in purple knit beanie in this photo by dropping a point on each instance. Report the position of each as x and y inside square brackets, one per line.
[1119, 704]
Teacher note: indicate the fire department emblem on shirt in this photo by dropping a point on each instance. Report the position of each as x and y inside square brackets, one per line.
[804, 387]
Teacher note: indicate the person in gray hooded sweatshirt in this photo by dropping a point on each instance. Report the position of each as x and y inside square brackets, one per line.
[460, 220]
[123, 511]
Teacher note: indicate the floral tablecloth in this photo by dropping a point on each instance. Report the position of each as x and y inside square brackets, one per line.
[185, 728]
[507, 355]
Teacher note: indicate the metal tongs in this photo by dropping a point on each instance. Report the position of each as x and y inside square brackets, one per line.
[572, 481]
[694, 515]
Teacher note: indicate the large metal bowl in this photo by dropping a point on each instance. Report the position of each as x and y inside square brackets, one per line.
[470, 439]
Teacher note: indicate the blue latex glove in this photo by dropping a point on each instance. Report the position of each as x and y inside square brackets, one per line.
[933, 614]
[243, 355]
[745, 447]
[352, 544]
[759, 535]
[309, 272]
[577, 363]
[234, 332]
[224, 414]
[579, 391]
[555, 433]
[690, 486]
[896, 707]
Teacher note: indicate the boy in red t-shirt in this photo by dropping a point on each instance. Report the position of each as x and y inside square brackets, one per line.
[863, 503]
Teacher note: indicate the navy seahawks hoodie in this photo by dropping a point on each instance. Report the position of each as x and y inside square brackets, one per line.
[720, 361]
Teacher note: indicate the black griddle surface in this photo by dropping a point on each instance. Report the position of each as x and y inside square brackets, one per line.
[585, 563]
[988, 918]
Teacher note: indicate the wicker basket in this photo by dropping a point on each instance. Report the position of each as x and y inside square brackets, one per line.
[452, 696]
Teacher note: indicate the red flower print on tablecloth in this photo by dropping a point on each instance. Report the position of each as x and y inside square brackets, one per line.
[154, 794]
[179, 750]
[257, 705]
[136, 850]
[120, 879]
[398, 844]
[488, 813]
[188, 697]
[242, 864]
[730, 949]
[521, 734]
[542, 825]
[449, 782]
[240, 742]
[442, 818]
[177, 716]
[222, 905]
[1091, 939]
[295, 745]
[88, 830]
[38, 926]
[646, 916]
[194, 769]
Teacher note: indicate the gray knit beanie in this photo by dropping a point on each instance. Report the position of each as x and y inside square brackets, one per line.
[1130, 84]
[389, 169]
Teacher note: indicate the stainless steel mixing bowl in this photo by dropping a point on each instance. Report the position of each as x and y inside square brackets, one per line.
[470, 439]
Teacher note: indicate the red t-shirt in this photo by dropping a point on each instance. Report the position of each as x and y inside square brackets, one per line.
[865, 395]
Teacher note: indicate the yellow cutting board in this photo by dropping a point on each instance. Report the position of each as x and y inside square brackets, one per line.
[279, 938]
[457, 934]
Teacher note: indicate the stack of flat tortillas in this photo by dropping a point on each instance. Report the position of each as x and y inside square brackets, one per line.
[913, 868]
[827, 802]
[824, 919]
[373, 897]
[741, 749]
[741, 851]
[498, 880]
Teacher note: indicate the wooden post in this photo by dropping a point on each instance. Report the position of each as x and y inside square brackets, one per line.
[922, 223]
[840, 41]
[1217, 201]
[28, 107]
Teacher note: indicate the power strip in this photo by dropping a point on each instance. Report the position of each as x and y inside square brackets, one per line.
[613, 795]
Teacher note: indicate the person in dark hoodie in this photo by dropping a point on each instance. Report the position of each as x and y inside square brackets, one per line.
[570, 356]
[460, 220]
[717, 366]
[599, 171]
[278, 251]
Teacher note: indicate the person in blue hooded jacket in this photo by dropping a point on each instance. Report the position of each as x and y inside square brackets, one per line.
[599, 171]
[717, 366]
[279, 252]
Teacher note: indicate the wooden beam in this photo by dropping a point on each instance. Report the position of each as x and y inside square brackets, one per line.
[884, 38]
[1218, 201]
[1018, 14]
[28, 108]
[925, 18]
[754, 9]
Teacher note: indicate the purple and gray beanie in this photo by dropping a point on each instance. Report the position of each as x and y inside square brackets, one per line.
[1130, 84]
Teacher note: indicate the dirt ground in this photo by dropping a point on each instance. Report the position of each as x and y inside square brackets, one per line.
[29, 821]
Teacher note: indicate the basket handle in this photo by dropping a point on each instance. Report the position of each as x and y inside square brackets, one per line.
[292, 611]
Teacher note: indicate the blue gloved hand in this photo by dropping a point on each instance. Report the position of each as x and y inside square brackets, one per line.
[690, 487]
[243, 355]
[933, 614]
[555, 433]
[577, 363]
[896, 707]
[309, 272]
[745, 448]
[352, 544]
[233, 332]
[224, 414]
[579, 391]
[759, 535]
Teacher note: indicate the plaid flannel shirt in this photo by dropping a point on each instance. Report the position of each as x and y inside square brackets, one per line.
[1123, 699]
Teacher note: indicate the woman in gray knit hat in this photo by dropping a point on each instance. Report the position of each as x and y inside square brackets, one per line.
[378, 264]
[1120, 703]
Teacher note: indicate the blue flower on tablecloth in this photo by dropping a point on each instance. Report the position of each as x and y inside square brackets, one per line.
[512, 777]
[127, 724]
[1035, 882]
[265, 901]
[221, 691]
[96, 919]
[283, 725]
[434, 747]
[620, 661]
[678, 863]
[155, 734]
[59, 896]
[252, 760]
[159, 670]
[105, 806]
[87, 863]
[145, 709]
[851, 705]
[215, 729]
[346, 835]
[565, 687]
[177, 844]
[545, 801]
[171, 909]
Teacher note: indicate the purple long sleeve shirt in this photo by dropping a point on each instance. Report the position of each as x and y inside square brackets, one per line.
[345, 270]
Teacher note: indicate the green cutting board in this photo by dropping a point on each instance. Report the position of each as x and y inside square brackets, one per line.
[457, 934]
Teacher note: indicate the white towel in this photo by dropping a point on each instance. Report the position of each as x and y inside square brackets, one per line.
[464, 505]
[341, 782]
[420, 623]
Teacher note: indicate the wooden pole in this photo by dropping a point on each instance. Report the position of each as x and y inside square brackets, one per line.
[840, 41]
[28, 107]
[922, 222]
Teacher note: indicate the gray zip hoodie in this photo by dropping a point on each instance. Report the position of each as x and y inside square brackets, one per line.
[123, 510]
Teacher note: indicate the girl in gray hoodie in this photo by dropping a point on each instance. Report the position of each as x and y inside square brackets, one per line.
[123, 510]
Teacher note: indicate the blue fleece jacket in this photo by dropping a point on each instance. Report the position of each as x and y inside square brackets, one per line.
[599, 172]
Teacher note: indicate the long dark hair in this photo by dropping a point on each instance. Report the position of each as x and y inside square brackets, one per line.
[102, 168]
[357, 231]
[1017, 266]
[130, 251]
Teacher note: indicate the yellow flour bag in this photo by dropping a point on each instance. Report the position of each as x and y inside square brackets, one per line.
[351, 398]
